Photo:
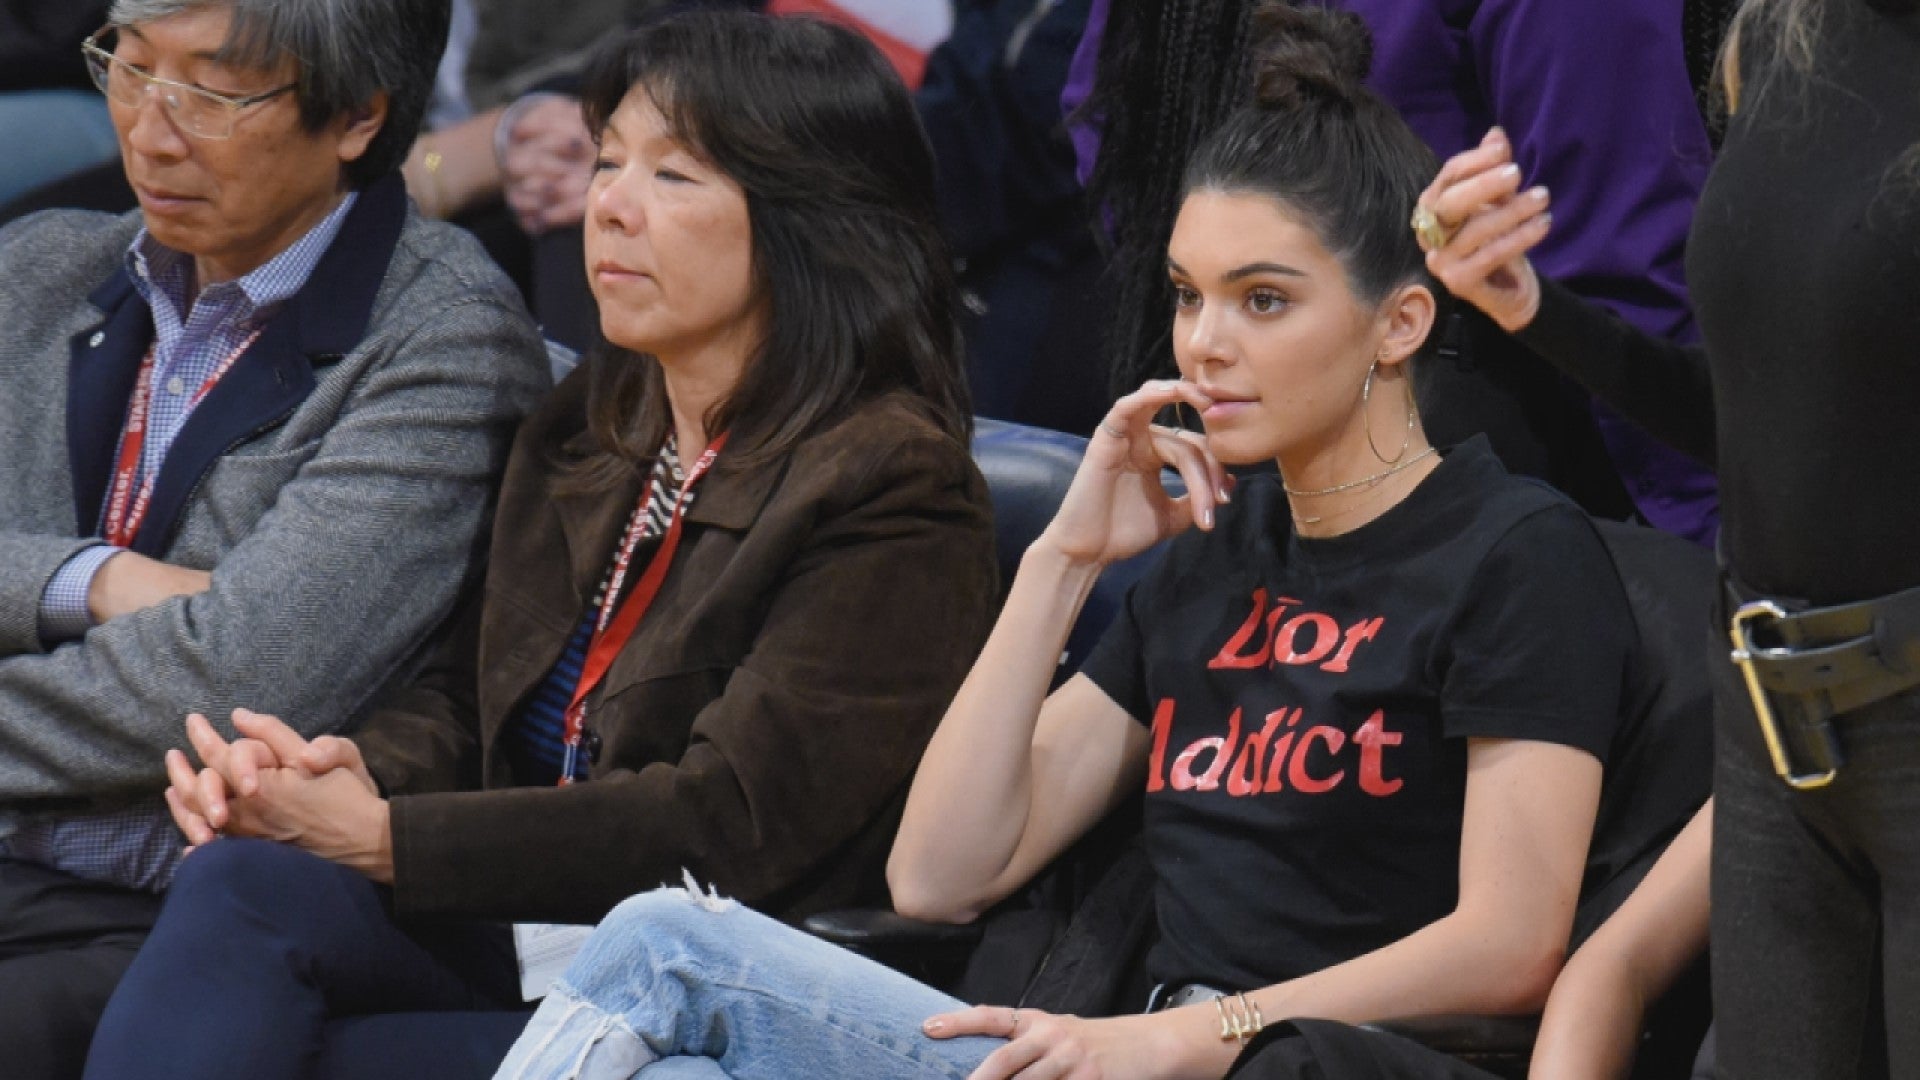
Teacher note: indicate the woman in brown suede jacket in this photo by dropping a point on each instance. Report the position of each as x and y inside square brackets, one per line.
[761, 239]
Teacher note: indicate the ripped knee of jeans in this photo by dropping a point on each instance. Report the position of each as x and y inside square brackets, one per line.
[708, 899]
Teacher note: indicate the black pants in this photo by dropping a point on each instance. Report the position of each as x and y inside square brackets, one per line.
[1816, 899]
[64, 944]
[269, 962]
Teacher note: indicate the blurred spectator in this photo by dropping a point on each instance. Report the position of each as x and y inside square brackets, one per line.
[905, 30]
[514, 170]
[1014, 213]
[52, 122]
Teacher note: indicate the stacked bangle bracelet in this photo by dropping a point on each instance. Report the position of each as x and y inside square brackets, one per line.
[1240, 1018]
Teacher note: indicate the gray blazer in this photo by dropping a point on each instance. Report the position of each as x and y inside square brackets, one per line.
[338, 484]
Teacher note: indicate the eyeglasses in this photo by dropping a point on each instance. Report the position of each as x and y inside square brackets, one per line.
[198, 112]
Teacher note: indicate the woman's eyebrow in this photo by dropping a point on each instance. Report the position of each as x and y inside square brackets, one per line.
[1264, 268]
[1245, 271]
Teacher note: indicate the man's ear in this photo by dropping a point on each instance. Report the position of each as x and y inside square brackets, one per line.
[1408, 315]
[364, 121]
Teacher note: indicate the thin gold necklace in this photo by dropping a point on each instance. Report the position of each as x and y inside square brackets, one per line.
[1365, 481]
[1361, 503]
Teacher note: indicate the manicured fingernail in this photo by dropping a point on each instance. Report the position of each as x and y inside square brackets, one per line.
[934, 1025]
[1546, 220]
[1224, 494]
[1537, 193]
[1509, 169]
[1206, 519]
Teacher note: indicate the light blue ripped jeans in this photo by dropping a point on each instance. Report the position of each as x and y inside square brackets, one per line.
[675, 985]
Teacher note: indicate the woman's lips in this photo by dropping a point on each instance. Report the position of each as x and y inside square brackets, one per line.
[610, 271]
[1225, 408]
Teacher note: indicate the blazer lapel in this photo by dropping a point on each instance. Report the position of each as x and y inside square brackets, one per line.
[261, 389]
[321, 323]
[730, 500]
[105, 364]
[592, 523]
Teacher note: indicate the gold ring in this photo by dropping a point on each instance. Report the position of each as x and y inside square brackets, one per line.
[1432, 233]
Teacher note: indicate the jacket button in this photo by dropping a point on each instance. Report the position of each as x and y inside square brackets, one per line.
[98, 337]
[590, 743]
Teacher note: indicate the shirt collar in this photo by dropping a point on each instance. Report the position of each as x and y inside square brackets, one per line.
[154, 266]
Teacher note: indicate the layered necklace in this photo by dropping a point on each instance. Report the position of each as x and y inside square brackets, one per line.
[1373, 481]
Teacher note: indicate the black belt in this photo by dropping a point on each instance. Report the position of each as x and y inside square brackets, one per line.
[1804, 666]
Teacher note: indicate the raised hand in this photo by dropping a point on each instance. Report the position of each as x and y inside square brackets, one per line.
[1117, 506]
[1480, 228]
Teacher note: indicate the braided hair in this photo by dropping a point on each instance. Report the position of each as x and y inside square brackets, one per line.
[1170, 72]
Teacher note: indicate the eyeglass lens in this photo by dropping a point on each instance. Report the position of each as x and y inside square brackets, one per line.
[195, 110]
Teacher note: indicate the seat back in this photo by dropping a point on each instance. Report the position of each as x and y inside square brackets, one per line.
[1660, 768]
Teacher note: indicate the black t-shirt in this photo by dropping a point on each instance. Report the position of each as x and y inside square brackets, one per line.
[1310, 699]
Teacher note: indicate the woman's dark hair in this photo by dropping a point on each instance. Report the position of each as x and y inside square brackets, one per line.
[1333, 151]
[1261, 97]
[815, 127]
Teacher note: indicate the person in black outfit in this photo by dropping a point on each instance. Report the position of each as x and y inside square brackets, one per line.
[1804, 265]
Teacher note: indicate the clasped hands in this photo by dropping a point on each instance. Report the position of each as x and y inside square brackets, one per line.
[546, 163]
[273, 784]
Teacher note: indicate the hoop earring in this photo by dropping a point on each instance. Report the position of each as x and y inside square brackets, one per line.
[1366, 419]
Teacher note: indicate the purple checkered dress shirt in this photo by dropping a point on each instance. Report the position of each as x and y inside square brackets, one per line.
[139, 847]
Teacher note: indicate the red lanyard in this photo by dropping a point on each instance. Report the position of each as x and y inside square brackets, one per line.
[614, 628]
[127, 507]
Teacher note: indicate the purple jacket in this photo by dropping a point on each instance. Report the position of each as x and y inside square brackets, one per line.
[1599, 107]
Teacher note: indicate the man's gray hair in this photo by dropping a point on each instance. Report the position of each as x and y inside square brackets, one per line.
[345, 52]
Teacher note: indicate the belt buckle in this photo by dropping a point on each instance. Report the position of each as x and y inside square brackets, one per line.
[1180, 995]
[1744, 654]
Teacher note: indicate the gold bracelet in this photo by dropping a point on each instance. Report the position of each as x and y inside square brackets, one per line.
[1240, 1018]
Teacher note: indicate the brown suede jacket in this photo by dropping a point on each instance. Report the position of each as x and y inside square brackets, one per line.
[762, 725]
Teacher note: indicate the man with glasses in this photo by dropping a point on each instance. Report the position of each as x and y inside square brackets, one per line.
[248, 443]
